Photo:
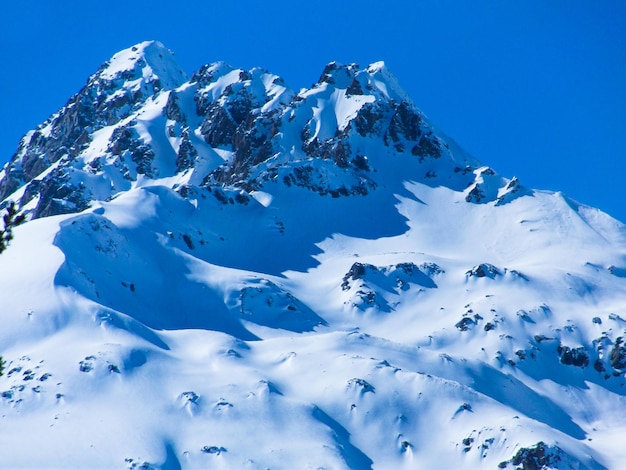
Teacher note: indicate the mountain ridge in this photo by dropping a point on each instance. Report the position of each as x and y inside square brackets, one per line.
[251, 115]
[224, 272]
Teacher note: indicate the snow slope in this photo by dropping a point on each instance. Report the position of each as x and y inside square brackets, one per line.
[221, 272]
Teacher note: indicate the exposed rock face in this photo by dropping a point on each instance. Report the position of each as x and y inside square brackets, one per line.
[538, 457]
[114, 92]
[318, 255]
[483, 270]
[366, 284]
[573, 356]
[618, 355]
[229, 127]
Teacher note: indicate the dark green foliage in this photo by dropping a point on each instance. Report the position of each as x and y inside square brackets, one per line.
[11, 219]
[1, 366]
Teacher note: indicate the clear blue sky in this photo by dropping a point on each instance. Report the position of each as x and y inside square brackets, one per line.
[535, 89]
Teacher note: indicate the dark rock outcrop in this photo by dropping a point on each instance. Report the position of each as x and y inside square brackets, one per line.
[578, 357]
[261, 131]
[483, 270]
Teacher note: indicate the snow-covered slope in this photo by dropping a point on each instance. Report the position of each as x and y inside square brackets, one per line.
[222, 272]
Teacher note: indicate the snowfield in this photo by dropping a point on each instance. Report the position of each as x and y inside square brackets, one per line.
[228, 274]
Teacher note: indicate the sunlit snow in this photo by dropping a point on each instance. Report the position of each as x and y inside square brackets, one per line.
[405, 307]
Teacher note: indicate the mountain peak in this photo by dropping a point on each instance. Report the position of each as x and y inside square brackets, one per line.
[324, 266]
[375, 79]
[138, 120]
[386, 81]
[338, 74]
[148, 61]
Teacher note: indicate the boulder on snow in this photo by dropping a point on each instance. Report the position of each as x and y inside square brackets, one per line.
[483, 270]
[618, 355]
[578, 357]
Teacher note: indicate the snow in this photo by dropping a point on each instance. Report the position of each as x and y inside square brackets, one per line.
[386, 82]
[155, 61]
[223, 76]
[294, 329]
[307, 393]
[265, 199]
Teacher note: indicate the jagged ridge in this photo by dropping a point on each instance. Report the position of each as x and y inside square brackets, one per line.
[138, 120]
[323, 264]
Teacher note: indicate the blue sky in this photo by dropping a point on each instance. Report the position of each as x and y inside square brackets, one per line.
[535, 89]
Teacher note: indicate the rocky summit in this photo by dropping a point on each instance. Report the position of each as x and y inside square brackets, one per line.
[222, 272]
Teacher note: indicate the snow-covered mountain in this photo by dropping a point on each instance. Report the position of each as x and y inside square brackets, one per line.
[222, 272]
